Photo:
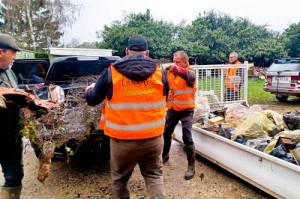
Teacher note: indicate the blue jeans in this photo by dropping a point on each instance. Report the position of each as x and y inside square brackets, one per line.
[11, 161]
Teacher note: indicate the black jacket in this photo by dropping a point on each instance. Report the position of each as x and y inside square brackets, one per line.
[134, 67]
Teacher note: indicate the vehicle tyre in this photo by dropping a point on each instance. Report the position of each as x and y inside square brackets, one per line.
[282, 98]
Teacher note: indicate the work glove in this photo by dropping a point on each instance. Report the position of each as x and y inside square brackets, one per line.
[178, 70]
[2, 101]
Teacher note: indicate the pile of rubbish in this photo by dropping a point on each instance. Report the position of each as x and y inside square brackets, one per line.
[62, 125]
[264, 130]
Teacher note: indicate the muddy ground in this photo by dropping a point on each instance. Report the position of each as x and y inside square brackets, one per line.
[93, 179]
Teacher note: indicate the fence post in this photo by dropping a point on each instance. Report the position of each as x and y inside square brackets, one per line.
[246, 81]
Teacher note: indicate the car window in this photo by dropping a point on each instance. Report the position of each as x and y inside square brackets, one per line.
[284, 65]
[65, 71]
[28, 72]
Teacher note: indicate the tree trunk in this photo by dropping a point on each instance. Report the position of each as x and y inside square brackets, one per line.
[30, 24]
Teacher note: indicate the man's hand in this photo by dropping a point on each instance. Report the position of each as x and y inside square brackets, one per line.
[90, 86]
[2, 102]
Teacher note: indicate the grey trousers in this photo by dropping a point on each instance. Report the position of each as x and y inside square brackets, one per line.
[126, 154]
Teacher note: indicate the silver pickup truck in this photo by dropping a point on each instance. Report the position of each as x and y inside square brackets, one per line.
[283, 78]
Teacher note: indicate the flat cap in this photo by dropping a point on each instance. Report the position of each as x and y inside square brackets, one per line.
[7, 41]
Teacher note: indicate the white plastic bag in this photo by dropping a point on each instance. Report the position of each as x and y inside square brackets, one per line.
[236, 114]
[202, 109]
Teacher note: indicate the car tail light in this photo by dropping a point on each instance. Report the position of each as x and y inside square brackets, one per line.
[269, 79]
[295, 79]
[40, 85]
[293, 85]
[269, 84]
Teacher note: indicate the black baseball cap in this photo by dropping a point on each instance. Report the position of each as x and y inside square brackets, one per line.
[7, 41]
[137, 43]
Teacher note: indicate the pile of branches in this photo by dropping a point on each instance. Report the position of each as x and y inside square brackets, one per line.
[73, 121]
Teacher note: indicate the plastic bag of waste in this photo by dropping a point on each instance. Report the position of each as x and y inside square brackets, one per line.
[240, 139]
[293, 135]
[236, 114]
[226, 132]
[280, 152]
[253, 109]
[276, 118]
[256, 125]
[292, 119]
[201, 110]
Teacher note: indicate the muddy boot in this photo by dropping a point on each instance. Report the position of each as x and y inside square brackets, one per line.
[167, 146]
[191, 155]
[11, 192]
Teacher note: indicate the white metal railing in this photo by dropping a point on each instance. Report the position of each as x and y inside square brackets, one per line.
[212, 82]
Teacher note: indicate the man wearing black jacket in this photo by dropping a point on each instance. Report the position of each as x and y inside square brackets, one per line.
[11, 149]
[135, 89]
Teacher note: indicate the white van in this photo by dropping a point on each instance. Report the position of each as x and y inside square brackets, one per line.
[283, 78]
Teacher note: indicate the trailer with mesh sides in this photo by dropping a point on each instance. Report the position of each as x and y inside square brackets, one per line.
[270, 174]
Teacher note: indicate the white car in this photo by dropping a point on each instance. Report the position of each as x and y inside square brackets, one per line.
[283, 79]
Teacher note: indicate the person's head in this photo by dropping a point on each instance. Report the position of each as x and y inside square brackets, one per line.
[8, 49]
[233, 57]
[181, 59]
[137, 45]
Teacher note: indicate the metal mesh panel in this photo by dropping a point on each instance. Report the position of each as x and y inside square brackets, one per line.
[222, 83]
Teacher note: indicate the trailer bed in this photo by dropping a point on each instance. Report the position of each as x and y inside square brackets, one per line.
[279, 178]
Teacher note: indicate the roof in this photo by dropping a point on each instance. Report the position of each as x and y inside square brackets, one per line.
[80, 51]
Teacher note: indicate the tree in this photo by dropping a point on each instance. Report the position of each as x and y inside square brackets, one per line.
[291, 39]
[32, 22]
[158, 33]
[212, 36]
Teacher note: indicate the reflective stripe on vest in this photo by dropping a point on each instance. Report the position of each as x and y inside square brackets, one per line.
[136, 105]
[181, 96]
[184, 91]
[181, 102]
[135, 127]
[136, 109]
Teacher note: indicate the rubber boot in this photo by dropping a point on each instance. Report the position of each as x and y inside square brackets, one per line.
[166, 150]
[11, 192]
[191, 155]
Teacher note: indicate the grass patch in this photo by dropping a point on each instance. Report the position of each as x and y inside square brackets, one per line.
[256, 92]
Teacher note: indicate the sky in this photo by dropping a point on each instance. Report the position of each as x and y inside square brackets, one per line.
[278, 14]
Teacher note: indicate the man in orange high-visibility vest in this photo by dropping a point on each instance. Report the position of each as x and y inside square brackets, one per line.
[181, 104]
[233, 79]
[135, 90]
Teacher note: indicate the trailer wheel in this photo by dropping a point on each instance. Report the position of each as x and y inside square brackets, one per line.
[282, 98]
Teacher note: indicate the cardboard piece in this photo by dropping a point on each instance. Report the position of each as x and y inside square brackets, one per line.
[296, 155]
[217, 120]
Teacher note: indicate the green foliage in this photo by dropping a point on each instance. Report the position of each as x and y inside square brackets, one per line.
[210, 38]
[158, 33]
[29, 131]
[41, 55]
[291, 39]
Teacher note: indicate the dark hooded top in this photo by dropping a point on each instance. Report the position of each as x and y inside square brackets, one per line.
[133, 67]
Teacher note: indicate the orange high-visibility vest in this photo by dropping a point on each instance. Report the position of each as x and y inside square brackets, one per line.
[181, 96]
[137, 108]
[231, 72]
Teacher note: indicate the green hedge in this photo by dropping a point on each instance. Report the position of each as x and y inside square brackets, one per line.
[41, 55]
